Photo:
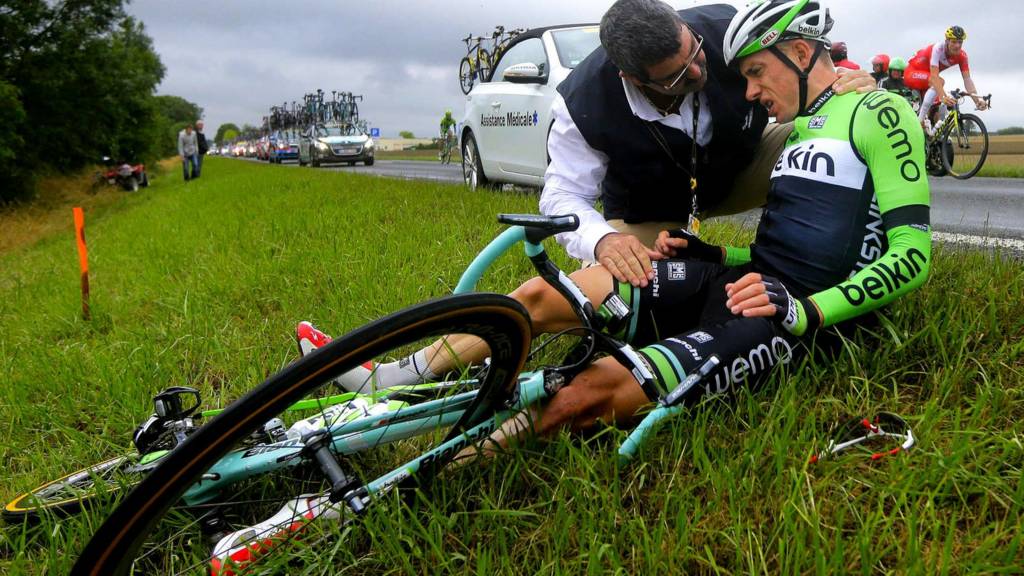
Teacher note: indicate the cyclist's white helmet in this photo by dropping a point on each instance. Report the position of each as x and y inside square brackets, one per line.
[764, 23]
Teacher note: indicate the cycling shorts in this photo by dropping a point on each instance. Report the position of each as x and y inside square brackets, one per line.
[680, 319]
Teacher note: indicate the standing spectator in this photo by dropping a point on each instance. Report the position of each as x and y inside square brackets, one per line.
[203, 148]
[188, 149]
[839, 57]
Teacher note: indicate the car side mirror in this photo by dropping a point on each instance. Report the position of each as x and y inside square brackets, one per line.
[525, 73]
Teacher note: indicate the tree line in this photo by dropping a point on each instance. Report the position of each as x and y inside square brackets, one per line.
[77, 82]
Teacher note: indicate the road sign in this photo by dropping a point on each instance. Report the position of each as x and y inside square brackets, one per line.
[375, 132]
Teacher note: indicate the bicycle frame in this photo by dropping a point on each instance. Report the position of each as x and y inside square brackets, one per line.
[409, 421]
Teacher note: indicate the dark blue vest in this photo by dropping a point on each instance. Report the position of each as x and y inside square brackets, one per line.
[643, 183]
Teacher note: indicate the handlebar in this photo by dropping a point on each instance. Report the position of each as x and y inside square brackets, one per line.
[957, 94]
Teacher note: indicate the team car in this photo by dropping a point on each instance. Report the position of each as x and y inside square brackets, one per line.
[284, 146]
[321, 144]
[504, 130]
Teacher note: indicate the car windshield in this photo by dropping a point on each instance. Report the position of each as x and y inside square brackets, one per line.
[322, 131]
[575, 44]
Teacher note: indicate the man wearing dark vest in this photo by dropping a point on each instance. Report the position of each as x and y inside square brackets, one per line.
[623, 132]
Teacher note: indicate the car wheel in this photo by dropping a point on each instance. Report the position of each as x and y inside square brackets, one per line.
[472, 168]
[369, 162]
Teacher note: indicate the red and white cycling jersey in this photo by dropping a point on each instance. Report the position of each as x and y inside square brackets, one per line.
[919, 68]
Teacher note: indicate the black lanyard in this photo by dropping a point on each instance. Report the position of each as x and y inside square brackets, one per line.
[692, 172]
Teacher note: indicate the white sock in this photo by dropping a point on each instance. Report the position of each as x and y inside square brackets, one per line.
[409, 370]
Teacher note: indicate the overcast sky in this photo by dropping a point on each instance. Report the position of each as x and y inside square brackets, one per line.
[236, 58]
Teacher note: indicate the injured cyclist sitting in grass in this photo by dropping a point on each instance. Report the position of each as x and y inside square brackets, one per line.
[845, 231]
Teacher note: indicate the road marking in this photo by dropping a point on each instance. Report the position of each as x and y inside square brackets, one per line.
[982, 241]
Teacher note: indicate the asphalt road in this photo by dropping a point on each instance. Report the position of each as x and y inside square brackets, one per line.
[973, 209]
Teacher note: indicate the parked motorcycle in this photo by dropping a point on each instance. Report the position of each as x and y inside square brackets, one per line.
[130, 177]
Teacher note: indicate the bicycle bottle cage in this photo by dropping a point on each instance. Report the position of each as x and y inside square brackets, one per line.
[173, 403]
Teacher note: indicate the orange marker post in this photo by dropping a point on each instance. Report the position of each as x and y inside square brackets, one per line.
[83, 260]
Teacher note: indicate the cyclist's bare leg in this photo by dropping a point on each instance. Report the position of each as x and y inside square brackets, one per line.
[549, 312]
[606, 391]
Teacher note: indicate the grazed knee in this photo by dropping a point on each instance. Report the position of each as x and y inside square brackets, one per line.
[580, 404]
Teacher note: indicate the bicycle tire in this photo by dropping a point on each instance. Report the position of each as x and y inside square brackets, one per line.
[502, 322]
[970, 166]
[68, 494]
[466, 75]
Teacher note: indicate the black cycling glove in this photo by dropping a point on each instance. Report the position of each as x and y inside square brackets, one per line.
[796, 316]
[697, 249]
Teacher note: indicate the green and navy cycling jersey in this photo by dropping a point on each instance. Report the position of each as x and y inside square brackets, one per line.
[845, 228]
[846, 223]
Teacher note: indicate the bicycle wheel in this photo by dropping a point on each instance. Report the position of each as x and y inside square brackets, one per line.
[969, 142]
[446, 151]
[154, 531]
[466, 75]
[68, 494]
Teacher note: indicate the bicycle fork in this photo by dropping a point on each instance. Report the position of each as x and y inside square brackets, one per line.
[237, 549]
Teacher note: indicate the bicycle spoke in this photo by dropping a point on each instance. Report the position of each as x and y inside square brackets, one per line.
[966, 144]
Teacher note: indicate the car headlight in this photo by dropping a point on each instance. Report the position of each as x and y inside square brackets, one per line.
[368, 145]
[322, 145]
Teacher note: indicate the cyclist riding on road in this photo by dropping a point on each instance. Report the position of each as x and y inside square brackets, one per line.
[845, 231]
[448, 125]
[923, 71]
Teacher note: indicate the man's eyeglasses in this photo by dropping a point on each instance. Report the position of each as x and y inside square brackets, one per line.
[682, 73]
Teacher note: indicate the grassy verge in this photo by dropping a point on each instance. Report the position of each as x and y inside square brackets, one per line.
[201, 285]
[1003, 166]
[50, 211]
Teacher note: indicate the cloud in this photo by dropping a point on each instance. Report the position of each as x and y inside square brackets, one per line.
[236, 58]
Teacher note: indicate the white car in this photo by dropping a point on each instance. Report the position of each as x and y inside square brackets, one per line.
[321, 144]
[504, 131]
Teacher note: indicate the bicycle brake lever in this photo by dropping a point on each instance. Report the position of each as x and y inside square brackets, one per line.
[692, 380]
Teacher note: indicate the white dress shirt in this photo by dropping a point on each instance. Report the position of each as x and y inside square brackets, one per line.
[572, 182]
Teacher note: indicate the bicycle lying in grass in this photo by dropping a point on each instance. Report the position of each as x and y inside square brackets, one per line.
[221, 483]
[959, 145]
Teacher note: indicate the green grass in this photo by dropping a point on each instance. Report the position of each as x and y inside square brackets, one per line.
[991, 169]
[202, 284]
